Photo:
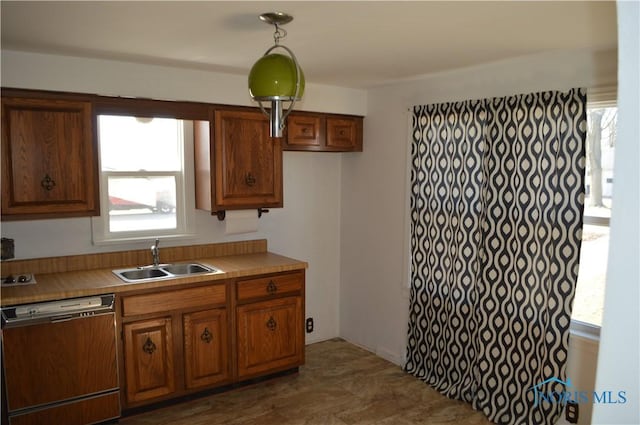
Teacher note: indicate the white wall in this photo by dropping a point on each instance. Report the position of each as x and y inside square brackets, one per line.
[116, 78]
[619, 358]
[373, 295]
[308, 226]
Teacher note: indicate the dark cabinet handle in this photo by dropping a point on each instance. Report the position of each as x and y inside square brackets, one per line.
[250, 180]
[149, 347]
[271, 288]
[47, 182]
[271, 324]
[206, 336]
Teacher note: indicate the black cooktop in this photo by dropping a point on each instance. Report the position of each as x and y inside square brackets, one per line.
[20, 279]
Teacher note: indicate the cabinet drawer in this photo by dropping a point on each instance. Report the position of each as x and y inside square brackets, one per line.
[269, 286]
[173, 300]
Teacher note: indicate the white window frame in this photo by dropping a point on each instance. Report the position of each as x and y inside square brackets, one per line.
[185, 199]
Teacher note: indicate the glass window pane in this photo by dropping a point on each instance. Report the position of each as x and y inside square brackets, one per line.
[142, 203]
[601, 136]
[589, 302]
[135, 144]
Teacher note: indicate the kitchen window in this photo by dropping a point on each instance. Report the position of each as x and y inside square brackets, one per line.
[143, 183]
[600, 145]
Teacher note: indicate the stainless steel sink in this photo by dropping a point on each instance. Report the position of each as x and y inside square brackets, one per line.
[189, 268]
[139, 274]
[163, 271]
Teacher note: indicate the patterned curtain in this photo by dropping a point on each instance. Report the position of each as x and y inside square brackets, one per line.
[497, 192]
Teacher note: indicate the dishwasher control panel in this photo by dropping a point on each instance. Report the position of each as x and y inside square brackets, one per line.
[57, 310]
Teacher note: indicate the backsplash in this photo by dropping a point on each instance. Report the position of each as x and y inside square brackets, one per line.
[131, 258]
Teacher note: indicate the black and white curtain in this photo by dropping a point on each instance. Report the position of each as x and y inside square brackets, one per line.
[497, 193]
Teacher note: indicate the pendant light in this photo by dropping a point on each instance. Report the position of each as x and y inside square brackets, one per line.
[276, 77]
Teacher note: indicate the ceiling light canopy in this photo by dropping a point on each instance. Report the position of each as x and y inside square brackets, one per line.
[276, 77]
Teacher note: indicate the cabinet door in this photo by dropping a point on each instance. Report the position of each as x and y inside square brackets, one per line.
[344, 133]
[149, 359]
[248, 162]
[270, 336]
[49, 159]
[205, 348]
[305, 132]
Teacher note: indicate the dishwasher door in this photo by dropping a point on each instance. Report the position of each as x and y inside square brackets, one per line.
[62, 370]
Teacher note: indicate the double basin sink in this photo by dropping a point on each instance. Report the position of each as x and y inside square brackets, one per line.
[163, 271]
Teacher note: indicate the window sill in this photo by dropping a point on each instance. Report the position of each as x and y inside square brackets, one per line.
[585, 330]
[145, 238]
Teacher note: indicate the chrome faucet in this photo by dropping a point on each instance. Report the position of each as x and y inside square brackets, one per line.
[155, 253]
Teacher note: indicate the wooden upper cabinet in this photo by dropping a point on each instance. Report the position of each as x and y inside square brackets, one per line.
[241, 165]
[248, 161]
[49, 159]
[309, 131]
[305, 131]
[344, 133]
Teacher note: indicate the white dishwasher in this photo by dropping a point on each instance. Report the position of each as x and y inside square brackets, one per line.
[59, 362]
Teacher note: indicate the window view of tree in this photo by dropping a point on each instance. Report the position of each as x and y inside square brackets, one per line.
[601, 136]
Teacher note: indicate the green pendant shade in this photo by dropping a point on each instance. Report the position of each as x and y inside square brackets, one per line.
[273, 76]
[276, 78]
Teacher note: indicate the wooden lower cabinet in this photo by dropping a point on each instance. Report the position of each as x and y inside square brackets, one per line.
[174, 342]
[269, 336]
[155, 360]
[177, 342]
[269, 323]
[149, 359]
[205, 348]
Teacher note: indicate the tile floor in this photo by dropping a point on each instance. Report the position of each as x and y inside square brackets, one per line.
[339, 384]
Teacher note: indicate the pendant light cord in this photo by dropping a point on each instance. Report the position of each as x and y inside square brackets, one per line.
[278, 34]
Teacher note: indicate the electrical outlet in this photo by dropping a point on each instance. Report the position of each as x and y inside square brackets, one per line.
[309, 325]
[571, 412]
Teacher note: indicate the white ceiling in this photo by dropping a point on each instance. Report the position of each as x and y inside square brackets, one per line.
[355, 44]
